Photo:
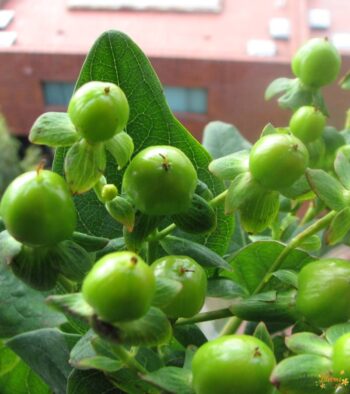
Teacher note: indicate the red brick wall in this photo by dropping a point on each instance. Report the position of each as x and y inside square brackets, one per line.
[235, 89]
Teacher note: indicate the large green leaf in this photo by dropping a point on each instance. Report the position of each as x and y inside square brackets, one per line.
[46, 351]
[21, 308]
[252, 263]
[116, 58]
[16, 377]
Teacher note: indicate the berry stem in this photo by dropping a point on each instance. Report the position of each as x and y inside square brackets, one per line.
[128, 359]
[205, 316]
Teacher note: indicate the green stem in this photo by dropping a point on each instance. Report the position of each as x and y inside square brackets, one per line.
[205, 316]
[151, 250]
[128, 359]
[90, 240]
[232, 324]
[163, 233]
[218, 199]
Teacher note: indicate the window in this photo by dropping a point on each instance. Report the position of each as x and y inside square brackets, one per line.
[193, 100]
[160, 5]
[57, 93]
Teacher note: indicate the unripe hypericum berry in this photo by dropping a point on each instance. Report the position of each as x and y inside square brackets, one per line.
[307, 123]
[276, 161]
[99, 110]
[193, 278]
[233, 364]
[341, 357]
[316, 63]
[160, 180]
[324, 292]
[120, 287]
[38, 209]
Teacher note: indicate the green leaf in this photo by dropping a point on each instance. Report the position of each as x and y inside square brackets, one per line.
[150, 330]
[46, 351]
[166, 290]
[121, 147]
[278, 86]
[261, 332]
[335, 332]
[252, 263]
[84, 165]
[345, 81]
[201, 254]
[171, 379]
[268, 307]
[311, 243]
[303, 374]
[288, 277]
[230, 166]
[73, 261]
[342, 169]
[16, 377]
[225, 288]
[83, 349]
[90, 382]
[309, 343]
[327, 188]
[21, 308]
[53, 129]
[339, 227]
[189, 335]
[221, 139]
[116, 58]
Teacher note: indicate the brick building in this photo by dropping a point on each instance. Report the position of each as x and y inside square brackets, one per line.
[214, 57]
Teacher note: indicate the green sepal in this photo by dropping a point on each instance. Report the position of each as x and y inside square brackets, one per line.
[299, 191]
[203, 190]
[317, 151]
[259, 210]
[53, 129]
[98, 187]
[333, 333]
[268, 129]
[150, 330]
[328, 189]
[200, 253]
[311, 243]
[342, 169]
[166, 290]
[122, 211]
[240, 189]
[261, 332]
[271, 306]
[200, 218]
[144, 225]
[345, 81]
[72, 304]
[121, 147]
[304, 374]
[278, 86]
[71, 260]
[83, 166]
[90, 242]
[309, 343]
[36, 267]
[228, 167]
[339, 227]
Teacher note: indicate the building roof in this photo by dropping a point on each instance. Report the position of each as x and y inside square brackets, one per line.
[43, 26]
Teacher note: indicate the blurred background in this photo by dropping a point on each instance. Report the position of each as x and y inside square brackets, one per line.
[214, 57]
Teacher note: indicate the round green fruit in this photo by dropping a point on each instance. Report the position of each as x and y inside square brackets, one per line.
[99, 110]
[324, 292]
[38, 209]
[120, 287]
[234, 364]
[193, 278]
[276, 161]
[160, 180]
[307, 123]
[316, 63]
[341, 357]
